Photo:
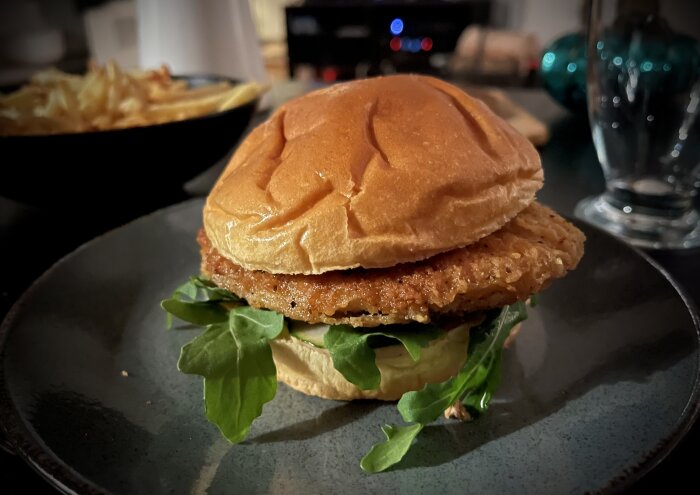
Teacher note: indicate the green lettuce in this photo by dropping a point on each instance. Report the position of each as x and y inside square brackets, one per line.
[353, 355]
[478, 398]
[233, 355]
[385, 454]
[200, 302]
[474, 384]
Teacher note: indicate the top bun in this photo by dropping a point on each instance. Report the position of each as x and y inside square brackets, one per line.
[370, 173]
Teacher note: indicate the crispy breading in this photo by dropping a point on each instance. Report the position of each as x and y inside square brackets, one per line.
[518, 260]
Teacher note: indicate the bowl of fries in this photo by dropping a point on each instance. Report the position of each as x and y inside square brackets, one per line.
[111, 133]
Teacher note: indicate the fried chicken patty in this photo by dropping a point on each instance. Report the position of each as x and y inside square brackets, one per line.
[518, 260]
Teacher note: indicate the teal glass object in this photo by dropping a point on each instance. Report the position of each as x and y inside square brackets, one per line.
[650, 54]
[563, 71]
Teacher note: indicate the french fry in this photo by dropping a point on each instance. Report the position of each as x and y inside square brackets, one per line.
[108, 97]
[182, 92]
[183, 109]
[23, 100]
[241, 94]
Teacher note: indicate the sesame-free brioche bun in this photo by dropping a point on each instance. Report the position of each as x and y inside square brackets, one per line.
[370, 173]
[309, 369]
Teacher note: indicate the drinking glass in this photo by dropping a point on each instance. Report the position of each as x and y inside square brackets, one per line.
[643, 89]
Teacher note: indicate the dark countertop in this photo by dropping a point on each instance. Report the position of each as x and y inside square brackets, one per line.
[571, 172]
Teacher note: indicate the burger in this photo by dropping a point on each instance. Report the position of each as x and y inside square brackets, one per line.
[376, 239]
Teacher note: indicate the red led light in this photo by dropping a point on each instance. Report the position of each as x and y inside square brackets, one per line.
[329, 74]
[426, 44]
[395, 43]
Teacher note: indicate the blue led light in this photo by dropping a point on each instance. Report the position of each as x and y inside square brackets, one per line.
[396, 27]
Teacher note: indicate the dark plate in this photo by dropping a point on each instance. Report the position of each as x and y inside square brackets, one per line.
[599, 386]
[120, 167]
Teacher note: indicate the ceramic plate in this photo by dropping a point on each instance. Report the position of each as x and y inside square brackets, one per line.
[598, 387]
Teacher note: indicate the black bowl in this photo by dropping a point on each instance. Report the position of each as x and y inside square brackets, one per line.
[134, 166]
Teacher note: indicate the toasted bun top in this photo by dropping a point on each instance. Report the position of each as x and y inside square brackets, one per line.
[370, 173]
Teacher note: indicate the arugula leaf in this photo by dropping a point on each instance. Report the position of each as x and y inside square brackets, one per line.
[210, 354]
[391, 451]
[249, 325]
[354, 357]
[477, 401]
[235, 360]
[534, 300]
[481, 374]
[187, 290]
[474, 385]
[198, 312]
[413, 339]
[211, 291]
[198, 301]
[426, 405]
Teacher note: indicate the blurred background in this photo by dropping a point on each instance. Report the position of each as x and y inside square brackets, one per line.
[525, 43]
[495, 40]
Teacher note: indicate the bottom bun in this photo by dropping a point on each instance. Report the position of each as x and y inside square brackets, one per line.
[309, 369]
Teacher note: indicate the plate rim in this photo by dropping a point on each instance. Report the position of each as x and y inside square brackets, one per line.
[25, 444]
[691, 410]
[31, 449]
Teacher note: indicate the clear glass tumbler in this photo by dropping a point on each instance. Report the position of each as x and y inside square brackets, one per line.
[643, 88]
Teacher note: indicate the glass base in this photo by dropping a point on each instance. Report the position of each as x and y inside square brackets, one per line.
[642, 230]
